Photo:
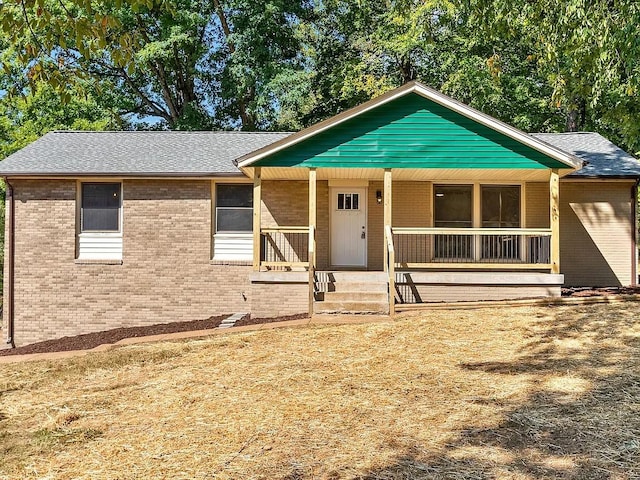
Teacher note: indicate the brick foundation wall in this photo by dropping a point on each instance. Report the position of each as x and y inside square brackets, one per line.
[165, 276]
[279, 299]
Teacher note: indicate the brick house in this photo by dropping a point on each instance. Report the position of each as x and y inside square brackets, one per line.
[411, 197]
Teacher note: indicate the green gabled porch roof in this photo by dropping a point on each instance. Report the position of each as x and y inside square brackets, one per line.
[412, 127]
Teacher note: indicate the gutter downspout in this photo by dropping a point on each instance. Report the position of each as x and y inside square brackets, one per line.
[9, 250]
[634, 233]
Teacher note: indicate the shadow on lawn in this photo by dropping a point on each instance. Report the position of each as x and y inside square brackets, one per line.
[589, 433]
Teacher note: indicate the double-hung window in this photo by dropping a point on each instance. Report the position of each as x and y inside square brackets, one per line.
[100, 229]
[233, 236]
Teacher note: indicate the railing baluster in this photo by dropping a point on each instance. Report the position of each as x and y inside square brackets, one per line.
[490, 247]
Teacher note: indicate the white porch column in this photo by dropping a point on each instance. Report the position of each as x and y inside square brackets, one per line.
[257, 203]
[387, 194]
[312, 234]
[554, 211]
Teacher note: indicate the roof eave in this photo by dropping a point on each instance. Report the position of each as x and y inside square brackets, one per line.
[121, 174]
[568, 159]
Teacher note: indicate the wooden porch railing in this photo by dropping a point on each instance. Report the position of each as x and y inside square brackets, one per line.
[491, 248]
[285, 247]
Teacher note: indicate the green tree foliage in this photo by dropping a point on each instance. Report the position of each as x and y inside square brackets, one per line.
[284, 64]
[193, 64]
[587, 51]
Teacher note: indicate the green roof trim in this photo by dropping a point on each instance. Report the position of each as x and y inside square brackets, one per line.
[410, 132]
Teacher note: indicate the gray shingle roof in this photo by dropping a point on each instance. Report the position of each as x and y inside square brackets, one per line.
[76, 153]
[604, 159]
[135, 153]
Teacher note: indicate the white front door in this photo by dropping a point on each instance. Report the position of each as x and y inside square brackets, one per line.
[349, 227]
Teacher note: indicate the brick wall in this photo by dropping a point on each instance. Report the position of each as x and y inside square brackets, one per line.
[537, 205]
[596, 233]
[279, 299]
[165, 275]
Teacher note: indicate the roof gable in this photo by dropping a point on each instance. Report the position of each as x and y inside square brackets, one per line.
[411, 127]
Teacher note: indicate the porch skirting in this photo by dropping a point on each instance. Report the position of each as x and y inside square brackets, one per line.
[420, 287]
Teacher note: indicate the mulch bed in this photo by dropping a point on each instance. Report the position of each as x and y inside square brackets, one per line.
[598, 292]
[247, 320]
[91, 340]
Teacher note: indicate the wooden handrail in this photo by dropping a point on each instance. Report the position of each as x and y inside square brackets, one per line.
[543, 232]
[289, 229]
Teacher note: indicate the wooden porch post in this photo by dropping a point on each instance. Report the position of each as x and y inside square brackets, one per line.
[389, 253]
[312, 235]
[387, 211]
[257, 203]
[554, 204]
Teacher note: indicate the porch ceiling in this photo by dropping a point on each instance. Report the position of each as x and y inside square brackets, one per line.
[406, 174]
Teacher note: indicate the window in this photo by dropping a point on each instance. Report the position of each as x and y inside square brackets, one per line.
[348, 201]
[233, 237]
[453, 206]
[500, 206]
[500, 209]
[453, 209]
[100, 211]
[234, 208]
[100, 222]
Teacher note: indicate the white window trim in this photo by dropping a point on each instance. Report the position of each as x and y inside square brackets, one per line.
[112, 240]
[232, 246]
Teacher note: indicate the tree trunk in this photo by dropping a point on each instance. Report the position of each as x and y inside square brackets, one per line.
[576, 115]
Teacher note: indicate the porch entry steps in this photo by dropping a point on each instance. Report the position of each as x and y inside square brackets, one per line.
[351, 292]
[231, 321]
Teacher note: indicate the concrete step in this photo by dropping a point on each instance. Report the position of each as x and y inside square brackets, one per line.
[351, 277]
[353, 286]
[352, 307]
[358, 296]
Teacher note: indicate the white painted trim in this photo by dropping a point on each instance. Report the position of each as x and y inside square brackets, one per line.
[112, 248]
[240, 255]
[414, 87]
[365, 203]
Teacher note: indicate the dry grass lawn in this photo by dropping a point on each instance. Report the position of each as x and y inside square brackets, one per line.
[520, 393]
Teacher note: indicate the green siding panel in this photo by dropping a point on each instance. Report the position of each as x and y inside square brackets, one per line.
[410, 132]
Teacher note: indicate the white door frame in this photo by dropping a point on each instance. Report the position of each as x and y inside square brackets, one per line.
[364, 201]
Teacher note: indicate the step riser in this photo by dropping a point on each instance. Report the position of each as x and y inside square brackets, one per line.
[355, 296]
[353, 287]
[360, 277]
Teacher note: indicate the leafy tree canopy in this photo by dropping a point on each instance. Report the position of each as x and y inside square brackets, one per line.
[285, 64]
